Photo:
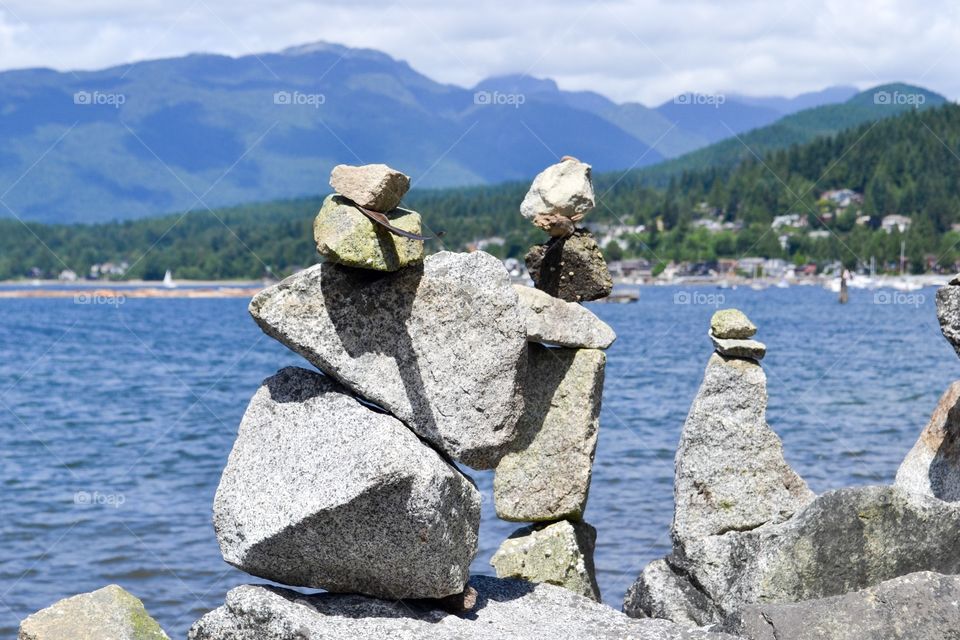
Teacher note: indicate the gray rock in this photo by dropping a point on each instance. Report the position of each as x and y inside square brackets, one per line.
[324, 492]
[730, 471]
[933, 465]
[919, 606]
[506, 609]
[105, 614]
[948, 313]
[373, 186]
[442, 347]
[843, 541]
[732, 324]
[546, 475]
[661, 592]
[733, 348]
[560, 554]
[572, 269]
[346, 236]
[560, 197]
[556, 322]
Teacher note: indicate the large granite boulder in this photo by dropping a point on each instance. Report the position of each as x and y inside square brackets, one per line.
[919, 606]
[373, 186]
[730, 471]
[560, 196]
[556, 322]
[948, 312]
[505, 609]
[560, 553]
[570, 268]
[441, 346]
[546, 475]
[324, 492]
[346, 236]
[105, 614]
[933, 465]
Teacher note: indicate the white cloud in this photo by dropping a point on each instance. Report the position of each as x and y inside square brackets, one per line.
[645, 50]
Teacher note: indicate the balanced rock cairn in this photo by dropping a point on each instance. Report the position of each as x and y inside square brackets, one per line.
[345, 480]
[570, 266]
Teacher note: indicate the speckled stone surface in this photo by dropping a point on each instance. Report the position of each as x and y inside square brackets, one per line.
[442, 346]
[105, 614]
[345, 236]
[732, 323]
[734, 348]
[506, 609]
[572, 269]
[556, 322]
[373, 186]
[322, 491]
[933, 465]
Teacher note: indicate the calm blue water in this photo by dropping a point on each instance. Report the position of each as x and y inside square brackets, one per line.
[131, 410]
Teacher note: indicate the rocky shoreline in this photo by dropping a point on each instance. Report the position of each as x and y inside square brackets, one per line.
[351, 478]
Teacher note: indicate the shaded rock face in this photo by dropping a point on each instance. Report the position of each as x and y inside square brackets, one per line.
[932, 467]
[442, 347]
[559, 197]
[572, 269]
[555, 322]
[346, 236]
[505, 609]
[374, 186]
[919, 606]
[324, 492]
[730, 471]
[546, 475]
[105, 614]
[843, 541]
[560, 554]
[948, 313]
[661, 592]
[739, 348]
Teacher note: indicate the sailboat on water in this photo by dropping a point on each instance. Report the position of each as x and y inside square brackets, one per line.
[168, 280]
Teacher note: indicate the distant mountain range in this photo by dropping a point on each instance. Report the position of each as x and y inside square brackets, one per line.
[208, 130]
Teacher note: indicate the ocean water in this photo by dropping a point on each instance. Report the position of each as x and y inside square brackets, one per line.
[116, 421]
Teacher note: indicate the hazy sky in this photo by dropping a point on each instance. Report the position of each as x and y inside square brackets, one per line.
[646, 50]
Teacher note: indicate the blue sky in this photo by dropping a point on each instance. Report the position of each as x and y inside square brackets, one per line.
[642, 50]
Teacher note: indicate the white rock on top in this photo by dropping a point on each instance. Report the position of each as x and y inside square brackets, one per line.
[321, 491]
[372, 186]
[560, 196]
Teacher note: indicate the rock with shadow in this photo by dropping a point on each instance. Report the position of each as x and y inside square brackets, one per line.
[441, 346]
[932, 467]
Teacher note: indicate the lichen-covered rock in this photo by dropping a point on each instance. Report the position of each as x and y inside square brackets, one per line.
[105, 614]
[346, 236]
[843, 541]
[324, 492]
[730, 471]
[919, 606]
[373, 186]
[506, 609]
[441, 346]
[572, 269]
[732, 324]
[734, 348]
[559, 197]
[661, 592]
[560, 553]
[556, 322]
[933, 465]
[546, 475]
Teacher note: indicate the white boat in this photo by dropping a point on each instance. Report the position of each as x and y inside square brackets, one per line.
[903, 284]
[783, 284]
[833, 286]
[168, 280]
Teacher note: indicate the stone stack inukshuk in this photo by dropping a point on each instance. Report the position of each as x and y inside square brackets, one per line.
[545, 478]
[345, 480]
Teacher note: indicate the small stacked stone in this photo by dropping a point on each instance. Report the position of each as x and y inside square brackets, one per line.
[570, 266]
[731, 332]
[545, 478]
[345, 235]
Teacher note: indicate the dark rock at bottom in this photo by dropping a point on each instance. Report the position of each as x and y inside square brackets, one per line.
[572, 269]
